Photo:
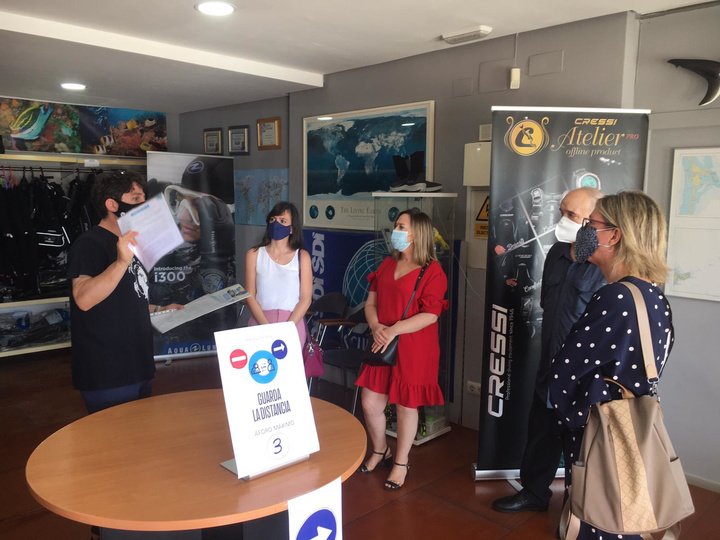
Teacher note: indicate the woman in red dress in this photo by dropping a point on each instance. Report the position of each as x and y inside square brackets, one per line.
[413, 381]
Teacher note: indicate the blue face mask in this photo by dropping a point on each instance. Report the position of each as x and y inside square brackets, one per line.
[278, 231]
[399, 240]
[586, 243]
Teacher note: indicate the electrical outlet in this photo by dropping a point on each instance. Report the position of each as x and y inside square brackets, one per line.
[473, 387]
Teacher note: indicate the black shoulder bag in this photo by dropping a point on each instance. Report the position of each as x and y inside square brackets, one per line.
[389, 356]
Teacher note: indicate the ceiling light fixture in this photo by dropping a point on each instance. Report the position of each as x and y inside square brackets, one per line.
[216, 9]
[324, 117]
[408, 124]
[72, 86]
[469, 34]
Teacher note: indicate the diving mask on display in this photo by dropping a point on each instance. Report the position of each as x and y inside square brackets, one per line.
[179, 199]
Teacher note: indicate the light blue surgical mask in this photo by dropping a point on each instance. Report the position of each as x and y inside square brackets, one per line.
[399, 240]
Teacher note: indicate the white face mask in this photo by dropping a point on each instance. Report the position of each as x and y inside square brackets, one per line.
[566, 230]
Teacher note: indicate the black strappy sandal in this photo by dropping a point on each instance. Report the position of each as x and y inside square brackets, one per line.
[394, 486]
[385, 459]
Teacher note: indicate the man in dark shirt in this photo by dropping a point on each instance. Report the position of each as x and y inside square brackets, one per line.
[567, 287]
[112, 360]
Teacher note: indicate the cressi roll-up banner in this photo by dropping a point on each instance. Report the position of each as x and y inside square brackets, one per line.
[538, 154]
[200, 194]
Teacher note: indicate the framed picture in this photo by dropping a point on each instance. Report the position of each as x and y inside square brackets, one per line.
[694, 231]
[239, 140]
[268, 134]
[212, 139]
[349, 155]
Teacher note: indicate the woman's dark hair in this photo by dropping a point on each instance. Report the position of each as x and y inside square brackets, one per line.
[113, 185]
[296, 237]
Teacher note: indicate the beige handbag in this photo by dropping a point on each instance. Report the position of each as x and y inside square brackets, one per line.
[627, 479]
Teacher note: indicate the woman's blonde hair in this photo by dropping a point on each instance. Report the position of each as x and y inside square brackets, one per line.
[424, 237]
[643, 243]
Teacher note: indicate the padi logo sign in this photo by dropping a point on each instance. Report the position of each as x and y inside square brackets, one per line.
[526, 137]
[195, 167]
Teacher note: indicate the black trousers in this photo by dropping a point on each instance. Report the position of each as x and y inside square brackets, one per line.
[542, 452]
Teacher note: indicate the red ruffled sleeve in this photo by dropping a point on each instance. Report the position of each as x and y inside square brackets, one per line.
[372, 279]
[432, 299]
[373, 276]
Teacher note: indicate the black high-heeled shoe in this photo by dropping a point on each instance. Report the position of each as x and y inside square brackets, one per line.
[394, 486]
[386, 459]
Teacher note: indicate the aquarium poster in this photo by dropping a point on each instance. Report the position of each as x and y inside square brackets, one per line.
[256, 192]
[347, 156]
[37, 126]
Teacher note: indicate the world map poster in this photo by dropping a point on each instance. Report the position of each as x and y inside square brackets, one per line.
[347, 156]
[694, 237]
[256, 192]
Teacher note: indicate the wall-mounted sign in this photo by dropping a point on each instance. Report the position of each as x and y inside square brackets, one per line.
[482, 221]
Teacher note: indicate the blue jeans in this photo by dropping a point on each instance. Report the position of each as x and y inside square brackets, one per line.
[97, 400]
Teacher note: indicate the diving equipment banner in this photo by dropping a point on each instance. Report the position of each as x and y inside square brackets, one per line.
[537, 156]
[200, 194]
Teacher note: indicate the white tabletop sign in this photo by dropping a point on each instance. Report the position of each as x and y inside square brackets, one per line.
[266, 397]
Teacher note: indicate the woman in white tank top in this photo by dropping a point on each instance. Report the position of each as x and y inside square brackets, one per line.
[278, 272]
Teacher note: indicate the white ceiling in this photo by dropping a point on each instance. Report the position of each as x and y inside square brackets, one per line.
[163, 55]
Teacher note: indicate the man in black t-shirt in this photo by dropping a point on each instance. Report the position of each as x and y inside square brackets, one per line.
[112, 358]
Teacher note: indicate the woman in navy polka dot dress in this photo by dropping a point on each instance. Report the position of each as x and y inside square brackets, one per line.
[626, 238]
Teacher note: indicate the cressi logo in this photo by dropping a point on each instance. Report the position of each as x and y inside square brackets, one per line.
[195, 167]
[526, 137]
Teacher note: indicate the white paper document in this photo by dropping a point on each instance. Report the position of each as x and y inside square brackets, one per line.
[158, 234]
[167, 320]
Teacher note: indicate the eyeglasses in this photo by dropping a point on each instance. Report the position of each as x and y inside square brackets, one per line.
[595, 222]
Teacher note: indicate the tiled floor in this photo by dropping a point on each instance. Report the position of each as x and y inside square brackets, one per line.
[438, 501]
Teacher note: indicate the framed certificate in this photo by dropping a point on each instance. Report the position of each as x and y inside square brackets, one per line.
[268, 134]
[212, 141]
[239, 140]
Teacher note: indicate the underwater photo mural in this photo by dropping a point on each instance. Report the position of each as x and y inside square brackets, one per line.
[37, 126]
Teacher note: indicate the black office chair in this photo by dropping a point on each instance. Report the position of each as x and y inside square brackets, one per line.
[353, 334]
[328, 311]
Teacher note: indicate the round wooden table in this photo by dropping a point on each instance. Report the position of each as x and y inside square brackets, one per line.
[154, 465]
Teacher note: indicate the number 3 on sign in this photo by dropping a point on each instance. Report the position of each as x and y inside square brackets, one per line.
[277, 445]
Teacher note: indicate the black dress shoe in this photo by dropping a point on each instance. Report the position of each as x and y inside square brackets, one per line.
[517, 503]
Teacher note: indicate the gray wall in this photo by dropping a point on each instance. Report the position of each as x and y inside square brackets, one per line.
[613, 61]
[173, 132]
[191, 142]
[693, 371]
[438, 76]
[596, 42]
